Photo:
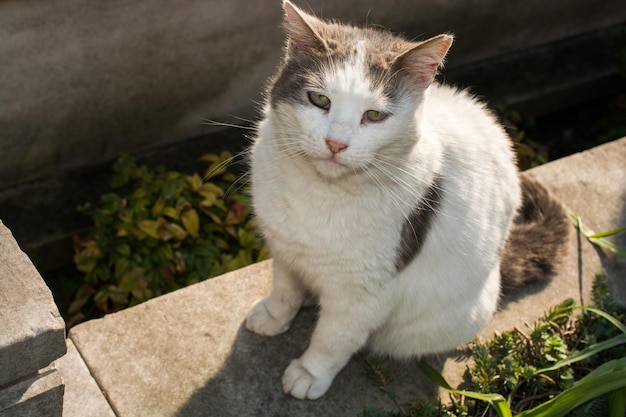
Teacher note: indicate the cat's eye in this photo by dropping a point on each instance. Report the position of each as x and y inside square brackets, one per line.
[319, 100]
[375, 116]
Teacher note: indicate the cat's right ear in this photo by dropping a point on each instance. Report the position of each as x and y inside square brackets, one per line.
[301, 31]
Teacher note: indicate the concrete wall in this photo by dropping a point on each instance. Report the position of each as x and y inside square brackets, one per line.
[81, 81]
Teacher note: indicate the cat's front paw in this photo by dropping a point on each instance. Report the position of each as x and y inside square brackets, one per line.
[262, 322]
[301, 384]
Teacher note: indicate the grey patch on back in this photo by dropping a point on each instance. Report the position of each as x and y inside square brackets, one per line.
[537, 240]
[415, 228]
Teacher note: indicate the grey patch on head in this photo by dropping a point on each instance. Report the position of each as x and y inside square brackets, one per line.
[303, 70]
[416, 226]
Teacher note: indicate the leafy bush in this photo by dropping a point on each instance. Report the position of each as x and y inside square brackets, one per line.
[159, 231]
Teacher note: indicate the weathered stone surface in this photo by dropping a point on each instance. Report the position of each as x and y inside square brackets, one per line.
[127, 75]
[39, 396]
[188, 354]
[82, 397]
[33, 332]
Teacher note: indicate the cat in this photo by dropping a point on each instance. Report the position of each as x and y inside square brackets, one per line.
[394, 201]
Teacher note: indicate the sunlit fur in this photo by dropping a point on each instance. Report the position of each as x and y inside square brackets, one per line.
[333, 222]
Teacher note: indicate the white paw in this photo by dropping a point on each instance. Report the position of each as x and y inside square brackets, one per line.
[262, 322]
[301, 384]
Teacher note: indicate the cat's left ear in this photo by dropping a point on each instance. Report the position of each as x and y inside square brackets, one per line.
[301, 30]
[421, 62]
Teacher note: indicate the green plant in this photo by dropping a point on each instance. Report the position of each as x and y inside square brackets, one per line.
[565, 364]
[159, 231]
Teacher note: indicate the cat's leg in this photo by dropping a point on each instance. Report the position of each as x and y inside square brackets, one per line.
[273, 315]
[342, 329]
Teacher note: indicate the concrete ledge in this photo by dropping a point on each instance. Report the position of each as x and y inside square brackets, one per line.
[33, 331]
[188, 354]
[32, 336]
[83, 397]
[39, 396]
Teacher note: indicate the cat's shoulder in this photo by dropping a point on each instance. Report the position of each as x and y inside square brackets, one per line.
[447, 93]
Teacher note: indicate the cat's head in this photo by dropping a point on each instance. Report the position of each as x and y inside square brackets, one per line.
[346, 98]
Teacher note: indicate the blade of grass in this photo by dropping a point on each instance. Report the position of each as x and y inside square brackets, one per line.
[606, 316]
[609, 233]
[597, 239]
[497, 401]
[607, 378]
[585, 353]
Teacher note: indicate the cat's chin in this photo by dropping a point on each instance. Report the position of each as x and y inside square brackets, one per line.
[331, 169]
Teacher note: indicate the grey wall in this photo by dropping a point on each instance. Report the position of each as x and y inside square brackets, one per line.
[81, 81]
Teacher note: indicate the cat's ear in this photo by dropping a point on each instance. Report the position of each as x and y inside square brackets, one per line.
[421, 62]
[301, 31]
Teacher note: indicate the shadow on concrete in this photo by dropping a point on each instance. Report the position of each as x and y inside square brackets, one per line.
[249, 382]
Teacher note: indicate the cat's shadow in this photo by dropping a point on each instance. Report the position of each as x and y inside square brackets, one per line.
[249, 382]
[518, 294]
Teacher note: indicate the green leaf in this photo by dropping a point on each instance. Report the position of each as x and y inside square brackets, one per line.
[369, 411]
[617, 403]
[497, 401]
[123, 249]
[102, 295]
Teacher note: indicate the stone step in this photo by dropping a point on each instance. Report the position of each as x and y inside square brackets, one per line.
[188, 354]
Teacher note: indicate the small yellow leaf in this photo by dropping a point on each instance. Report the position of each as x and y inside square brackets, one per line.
[191, 221]
[149, 227]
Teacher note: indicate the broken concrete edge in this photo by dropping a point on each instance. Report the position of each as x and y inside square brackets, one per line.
[34, 331]
[33, 337]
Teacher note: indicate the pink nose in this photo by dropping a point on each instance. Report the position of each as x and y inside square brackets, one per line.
[335, 146]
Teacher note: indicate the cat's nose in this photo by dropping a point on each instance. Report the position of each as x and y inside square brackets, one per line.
[335, 146]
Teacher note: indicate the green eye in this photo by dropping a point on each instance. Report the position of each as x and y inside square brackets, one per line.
[375, 116]
[319, 100]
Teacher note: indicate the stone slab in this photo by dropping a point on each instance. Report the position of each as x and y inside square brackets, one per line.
[187, 354]
[83, 397]
[33, 332]
[39, 396]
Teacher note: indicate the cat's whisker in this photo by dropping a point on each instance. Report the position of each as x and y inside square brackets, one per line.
[210, 122]
[223, 164]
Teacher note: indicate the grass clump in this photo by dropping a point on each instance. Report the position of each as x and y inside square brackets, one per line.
[159, 231]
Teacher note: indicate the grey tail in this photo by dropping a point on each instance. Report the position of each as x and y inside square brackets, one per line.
[537, 239]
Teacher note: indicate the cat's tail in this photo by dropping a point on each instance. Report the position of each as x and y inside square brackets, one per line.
[536, 243]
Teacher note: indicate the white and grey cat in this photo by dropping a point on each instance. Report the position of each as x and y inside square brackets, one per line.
[393, 200]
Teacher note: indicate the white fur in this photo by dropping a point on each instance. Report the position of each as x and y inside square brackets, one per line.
[333, 225]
